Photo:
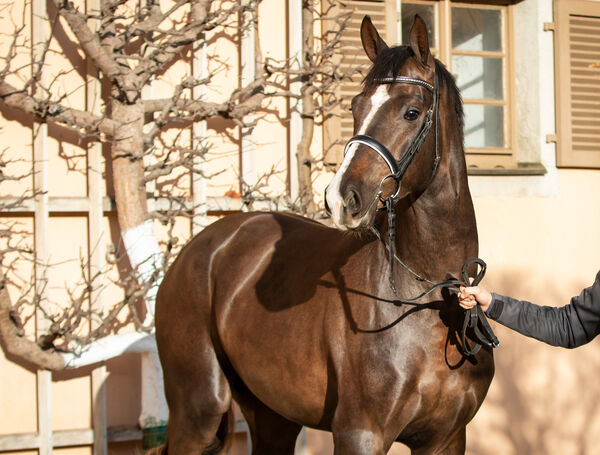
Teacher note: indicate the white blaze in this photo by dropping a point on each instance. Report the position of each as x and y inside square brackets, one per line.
[333, 196]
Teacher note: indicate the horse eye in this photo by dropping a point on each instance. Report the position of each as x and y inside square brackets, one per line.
[411, 114]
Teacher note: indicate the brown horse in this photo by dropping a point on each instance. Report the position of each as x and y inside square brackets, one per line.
[298, 322]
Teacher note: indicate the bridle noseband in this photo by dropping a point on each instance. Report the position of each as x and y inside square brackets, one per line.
[474, 318]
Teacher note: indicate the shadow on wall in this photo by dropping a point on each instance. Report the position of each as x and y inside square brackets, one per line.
[543, 400]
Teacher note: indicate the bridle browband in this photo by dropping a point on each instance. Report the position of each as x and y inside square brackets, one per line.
[406, 80]
[474, 318]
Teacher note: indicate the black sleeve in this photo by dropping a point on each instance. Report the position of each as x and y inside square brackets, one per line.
[570, 326]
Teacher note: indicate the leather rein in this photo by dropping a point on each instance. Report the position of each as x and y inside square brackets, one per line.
[475, 318]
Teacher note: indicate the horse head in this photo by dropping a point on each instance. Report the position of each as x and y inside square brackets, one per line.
[392, 154]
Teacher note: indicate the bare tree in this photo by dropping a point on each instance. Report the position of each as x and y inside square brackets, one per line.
[130, 46]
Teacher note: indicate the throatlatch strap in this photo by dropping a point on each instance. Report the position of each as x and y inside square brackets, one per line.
[389, 205]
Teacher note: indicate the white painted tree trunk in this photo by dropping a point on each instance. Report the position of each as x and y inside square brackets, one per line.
[146, 258]
[109, 347]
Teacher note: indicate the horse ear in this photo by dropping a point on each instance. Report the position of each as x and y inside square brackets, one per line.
[372, 43]
[419, 41]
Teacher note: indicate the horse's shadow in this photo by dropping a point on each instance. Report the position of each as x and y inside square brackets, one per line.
[304, 254]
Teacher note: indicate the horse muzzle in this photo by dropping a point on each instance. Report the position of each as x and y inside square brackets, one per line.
[347, 208]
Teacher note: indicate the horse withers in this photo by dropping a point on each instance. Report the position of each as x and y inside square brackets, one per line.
[305, 325]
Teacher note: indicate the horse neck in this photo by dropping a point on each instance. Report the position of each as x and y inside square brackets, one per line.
[436, 230]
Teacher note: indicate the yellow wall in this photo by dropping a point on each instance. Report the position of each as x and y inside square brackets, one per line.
[543, 400]
[544, 248]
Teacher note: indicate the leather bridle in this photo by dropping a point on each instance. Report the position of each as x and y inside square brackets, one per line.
[399, 168]
[475, 318]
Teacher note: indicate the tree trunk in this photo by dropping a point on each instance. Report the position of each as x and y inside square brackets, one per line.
[128, 166]
[16, 343]
[140, 243]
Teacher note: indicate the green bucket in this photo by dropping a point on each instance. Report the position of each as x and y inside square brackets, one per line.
[153, 436]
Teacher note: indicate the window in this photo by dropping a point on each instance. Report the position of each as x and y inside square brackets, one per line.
[473, 41]
[577, 59]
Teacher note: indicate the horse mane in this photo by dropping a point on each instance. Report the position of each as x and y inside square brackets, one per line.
[390, 61]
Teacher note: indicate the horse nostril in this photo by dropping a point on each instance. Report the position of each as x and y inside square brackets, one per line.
[353, 203]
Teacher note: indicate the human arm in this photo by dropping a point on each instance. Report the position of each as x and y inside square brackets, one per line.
[569, 326]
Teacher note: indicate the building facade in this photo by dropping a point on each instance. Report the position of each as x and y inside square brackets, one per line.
[529, 74]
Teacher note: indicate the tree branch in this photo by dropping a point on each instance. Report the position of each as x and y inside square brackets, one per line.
[81, 121]
[89, 41]
[16, 344]
[200, 21]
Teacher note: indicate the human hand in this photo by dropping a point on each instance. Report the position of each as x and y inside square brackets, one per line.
[470, 296]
